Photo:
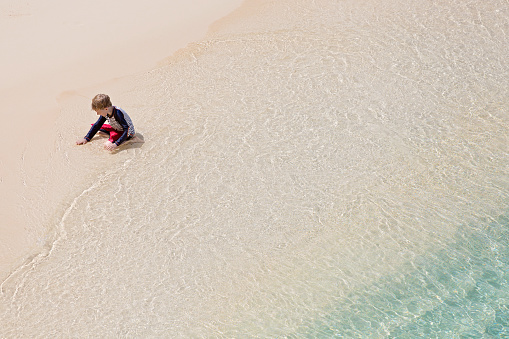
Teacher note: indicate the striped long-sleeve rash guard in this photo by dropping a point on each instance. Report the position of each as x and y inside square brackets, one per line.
[119, 121]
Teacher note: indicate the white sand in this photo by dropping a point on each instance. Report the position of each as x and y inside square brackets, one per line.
[49, 50]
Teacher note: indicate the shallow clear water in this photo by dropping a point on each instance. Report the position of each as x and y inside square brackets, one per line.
[319, 168]
[461, 291]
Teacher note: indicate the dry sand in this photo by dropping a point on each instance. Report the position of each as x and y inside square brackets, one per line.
[51, 51]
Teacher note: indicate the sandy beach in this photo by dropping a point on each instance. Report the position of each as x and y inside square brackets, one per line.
[56, 51]
[311, 169]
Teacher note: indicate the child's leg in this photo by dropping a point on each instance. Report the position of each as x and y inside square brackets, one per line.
[106, 129]
[114, 135]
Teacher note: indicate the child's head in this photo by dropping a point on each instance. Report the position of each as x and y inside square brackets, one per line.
[101, 101]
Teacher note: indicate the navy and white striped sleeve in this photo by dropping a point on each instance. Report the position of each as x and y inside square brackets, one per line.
[119, 117]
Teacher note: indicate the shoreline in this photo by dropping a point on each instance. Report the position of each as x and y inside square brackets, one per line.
[41, 167]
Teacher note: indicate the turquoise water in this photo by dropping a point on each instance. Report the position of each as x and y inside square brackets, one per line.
[461, 291]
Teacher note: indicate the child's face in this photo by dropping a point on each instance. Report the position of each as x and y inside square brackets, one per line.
[103, 112]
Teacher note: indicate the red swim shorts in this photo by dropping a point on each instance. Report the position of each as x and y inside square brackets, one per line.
[114, 135]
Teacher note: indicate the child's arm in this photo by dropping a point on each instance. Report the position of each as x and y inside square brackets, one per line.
[95, 127]
[119, 116]
[93, 130]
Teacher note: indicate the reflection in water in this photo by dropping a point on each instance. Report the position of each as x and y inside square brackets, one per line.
[324, 168]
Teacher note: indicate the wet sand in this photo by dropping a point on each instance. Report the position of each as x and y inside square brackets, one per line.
[60, 51]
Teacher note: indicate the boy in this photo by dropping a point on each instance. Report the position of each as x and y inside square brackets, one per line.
[120, 127]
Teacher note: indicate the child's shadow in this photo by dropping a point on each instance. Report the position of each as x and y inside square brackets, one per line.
[136, 142]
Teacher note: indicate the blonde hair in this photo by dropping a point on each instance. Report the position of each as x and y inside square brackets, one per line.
[101, 101]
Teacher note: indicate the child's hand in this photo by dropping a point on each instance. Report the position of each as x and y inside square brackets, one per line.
[81, 141]
[110, 146]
